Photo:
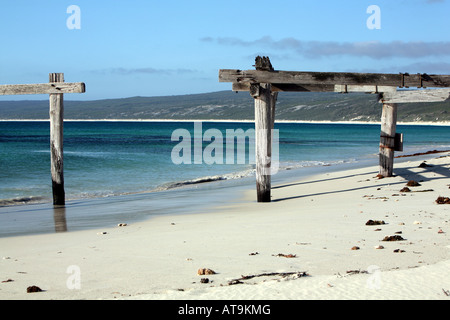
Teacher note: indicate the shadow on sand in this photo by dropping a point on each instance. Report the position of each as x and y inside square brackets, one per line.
[408, 173]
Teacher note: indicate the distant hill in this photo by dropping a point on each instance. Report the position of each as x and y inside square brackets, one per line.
[308, 106]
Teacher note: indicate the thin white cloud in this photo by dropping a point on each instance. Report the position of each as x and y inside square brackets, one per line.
[319, 49]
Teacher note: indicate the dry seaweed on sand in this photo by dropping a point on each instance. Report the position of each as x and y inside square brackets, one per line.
[422, 153]
[443, 200]
[374, 222]
[393, 238]
[413, 183]
[424, 165]
[406, 189]
[32, 289]
[205, 271]
[350, 272]
[270, 274]
[285, 255]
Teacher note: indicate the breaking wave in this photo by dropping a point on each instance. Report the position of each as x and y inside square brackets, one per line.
[247, 173]
[21, 201]
[206, 179]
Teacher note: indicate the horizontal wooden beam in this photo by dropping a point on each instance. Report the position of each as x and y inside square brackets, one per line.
[285, 87]
[42, 88]
[343, 88]
[407, 96]
[334, 78]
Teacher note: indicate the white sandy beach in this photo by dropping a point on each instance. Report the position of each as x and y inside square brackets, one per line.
[310, 227]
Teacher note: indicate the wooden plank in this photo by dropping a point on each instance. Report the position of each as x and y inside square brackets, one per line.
[263, 142]
[405, 96]
[334, 78]
[286, 87]
[343, 88]
[387, 139]
[42, 88]
[56, 141]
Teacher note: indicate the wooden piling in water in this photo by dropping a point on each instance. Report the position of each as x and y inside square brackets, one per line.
[56, 141]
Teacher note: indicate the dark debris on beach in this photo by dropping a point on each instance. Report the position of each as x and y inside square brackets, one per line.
[393, 238]
[443, 200]
[290, 255]
[32, 289]
[422, 153]
[270, 274]
[374, 222]
[413, 183]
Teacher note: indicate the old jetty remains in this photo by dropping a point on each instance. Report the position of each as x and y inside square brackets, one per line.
[264, 83]
[55, 88]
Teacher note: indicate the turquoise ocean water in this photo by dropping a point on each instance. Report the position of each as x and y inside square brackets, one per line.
[113, 158]
[106, 160]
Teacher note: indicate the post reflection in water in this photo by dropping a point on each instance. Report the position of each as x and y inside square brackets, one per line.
[59, 215]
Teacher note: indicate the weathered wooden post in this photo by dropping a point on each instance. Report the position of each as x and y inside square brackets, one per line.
[263, 139]
[265, 102]
[387, 139]
[56, 140]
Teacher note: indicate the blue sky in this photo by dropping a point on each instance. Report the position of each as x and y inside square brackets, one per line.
[154, 48]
